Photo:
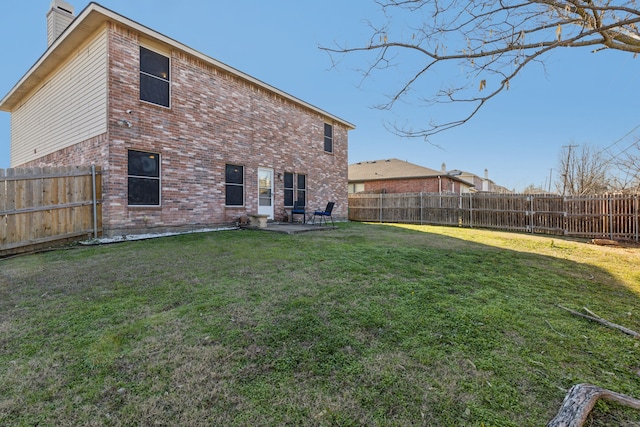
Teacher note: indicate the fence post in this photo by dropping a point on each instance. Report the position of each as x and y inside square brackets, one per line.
[380, 219]
[421, 208]
[531, 216]
[635, 205]
[471, 210]
[95, 201]
[610, 215]
[565, 216]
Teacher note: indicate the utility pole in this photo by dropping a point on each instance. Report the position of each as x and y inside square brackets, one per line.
[550, 172]
[566, 168]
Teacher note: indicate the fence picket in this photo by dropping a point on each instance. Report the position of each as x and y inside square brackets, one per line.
[612, 216]
[41, 205]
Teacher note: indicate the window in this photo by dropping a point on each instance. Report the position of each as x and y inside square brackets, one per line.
[143, 173]
[234, 185]
[302, 190]
[288, 189]
[295, 185]
[328, 138]
[154, 77]
[356, 188]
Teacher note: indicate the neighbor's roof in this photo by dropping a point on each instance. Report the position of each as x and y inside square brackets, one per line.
[391, 169]
[88, 21]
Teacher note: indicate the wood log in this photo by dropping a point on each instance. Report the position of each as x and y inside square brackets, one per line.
[581, 399]
[604, 242]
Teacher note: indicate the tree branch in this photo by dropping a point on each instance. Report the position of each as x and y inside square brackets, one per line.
[489, 38]
[602, 321]
[581, 399]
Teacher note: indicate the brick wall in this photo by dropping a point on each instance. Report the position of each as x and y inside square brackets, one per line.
[91, 151]
[215, 118]
[413, 185]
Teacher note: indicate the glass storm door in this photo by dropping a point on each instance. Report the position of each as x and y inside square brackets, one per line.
[265, 192]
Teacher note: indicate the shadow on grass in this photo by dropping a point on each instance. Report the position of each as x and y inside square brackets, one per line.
[364, 325]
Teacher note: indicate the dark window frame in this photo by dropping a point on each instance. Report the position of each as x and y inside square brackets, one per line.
[295, 192]
[232, 185]
[138, 178]
[328, 138]
[289, 189]
[151, 75]
[301, 190]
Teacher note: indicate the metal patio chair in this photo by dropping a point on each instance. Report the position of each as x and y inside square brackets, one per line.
[298, 209]
[324, 214]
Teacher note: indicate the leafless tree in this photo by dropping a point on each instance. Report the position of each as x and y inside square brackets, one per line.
[584, 170]
[489, 41]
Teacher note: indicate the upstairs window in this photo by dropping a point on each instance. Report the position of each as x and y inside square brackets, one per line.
[154, 77]
[143, 176]
[328, 138]
[234, 185]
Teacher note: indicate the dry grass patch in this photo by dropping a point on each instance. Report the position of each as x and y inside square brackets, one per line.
[363, 325]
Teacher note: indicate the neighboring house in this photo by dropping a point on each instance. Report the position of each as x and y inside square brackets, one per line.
[397, 176]
[182, 139]
[479, 184]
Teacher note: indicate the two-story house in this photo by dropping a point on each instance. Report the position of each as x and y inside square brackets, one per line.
[484, 184]
[181, 138]
[398, 176]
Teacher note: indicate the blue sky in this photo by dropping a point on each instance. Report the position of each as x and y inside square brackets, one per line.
[577, 98]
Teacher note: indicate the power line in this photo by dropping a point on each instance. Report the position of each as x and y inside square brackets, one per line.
[620, 139]
[624, 136]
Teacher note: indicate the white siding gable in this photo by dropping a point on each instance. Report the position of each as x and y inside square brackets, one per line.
[69, 107]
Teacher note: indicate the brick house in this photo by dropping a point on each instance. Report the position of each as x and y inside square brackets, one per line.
[397, 176]
[480, 184]
[182, 138]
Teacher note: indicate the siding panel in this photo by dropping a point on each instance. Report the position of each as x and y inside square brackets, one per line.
[67, 109]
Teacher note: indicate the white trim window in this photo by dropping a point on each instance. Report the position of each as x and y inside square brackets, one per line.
[234, 185]
[295, 189]
[328, 138]
[143, 178]
[155, 78]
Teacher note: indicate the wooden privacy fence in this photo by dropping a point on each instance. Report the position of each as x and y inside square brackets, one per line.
[611, 216]
[39, 206]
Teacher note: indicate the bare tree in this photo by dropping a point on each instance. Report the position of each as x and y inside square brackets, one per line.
[489, 41]
[584, 170]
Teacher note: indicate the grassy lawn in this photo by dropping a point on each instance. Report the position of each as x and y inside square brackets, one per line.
[364, 325]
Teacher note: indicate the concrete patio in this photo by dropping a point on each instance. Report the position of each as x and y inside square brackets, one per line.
[293, 228]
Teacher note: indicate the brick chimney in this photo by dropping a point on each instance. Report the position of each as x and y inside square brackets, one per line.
[58, 19]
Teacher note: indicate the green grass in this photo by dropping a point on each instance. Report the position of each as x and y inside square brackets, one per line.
[363, 325]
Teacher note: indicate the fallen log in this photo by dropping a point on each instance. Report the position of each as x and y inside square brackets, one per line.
[603, 322]
[581, 399]
[604, 242]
